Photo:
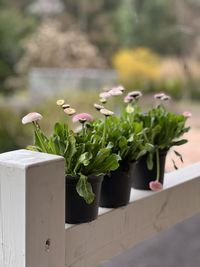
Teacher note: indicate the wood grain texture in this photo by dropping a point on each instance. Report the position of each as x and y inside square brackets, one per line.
[31, 210]
[147, 214]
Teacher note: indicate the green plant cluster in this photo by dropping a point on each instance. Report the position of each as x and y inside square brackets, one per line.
[104, 145]
[164, 130]
[124, 135]
[83, 154]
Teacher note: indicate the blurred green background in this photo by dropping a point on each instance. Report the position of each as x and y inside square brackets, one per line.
[152, 45]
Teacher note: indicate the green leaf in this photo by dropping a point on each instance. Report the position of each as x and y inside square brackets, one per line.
[111, 163]
[61, 130]
[40, 140]
[179, 155]
[179, 143]
[149, 147]
[175, 167]
[122, 142]
[70, 150]
[83, 159]
[150, 161]
[33, 148]
[84, 189]
[102, 154]
[110, 145]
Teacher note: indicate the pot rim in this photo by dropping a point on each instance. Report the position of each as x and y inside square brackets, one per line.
[91, 178]
[162, 153]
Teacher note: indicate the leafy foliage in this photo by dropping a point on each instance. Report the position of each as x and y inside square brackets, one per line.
[123, 135]
[84, 155]
[164, 130]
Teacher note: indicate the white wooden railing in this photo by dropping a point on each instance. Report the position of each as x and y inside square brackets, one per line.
[32, 229]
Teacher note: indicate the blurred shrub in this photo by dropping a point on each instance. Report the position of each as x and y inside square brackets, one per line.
[13, 135]
[141, 68]
[13, 28]
[180, 77]
[137, 67]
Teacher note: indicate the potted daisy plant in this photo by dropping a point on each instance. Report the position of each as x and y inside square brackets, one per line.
[86, 160]
[164, 130]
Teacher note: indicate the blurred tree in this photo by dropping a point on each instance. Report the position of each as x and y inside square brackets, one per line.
[13, 28]
[51, 46]
[149, 23]
[187, 12]
[97, 19]
[126, 18]
[18, 4]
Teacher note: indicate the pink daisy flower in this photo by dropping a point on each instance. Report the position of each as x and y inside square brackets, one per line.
[106, 112]
[135, 94]
[98, 107]
[187, 114]
[121, 88]
[159, 95]
[105, 95]
[165, 98]
[117, 90]
[31, 117]
[128, 99]
[82, 117]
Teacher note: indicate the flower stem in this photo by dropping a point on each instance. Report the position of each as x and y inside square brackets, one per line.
[83, 128]
[104, 132]
[37, 132]
[158, 165]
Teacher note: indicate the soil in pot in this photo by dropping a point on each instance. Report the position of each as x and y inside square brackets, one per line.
[142, 176]
[76, 208]
[116, 187]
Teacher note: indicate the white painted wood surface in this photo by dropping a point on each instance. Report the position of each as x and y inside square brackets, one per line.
[31, 210]
[147, 214]
[32, 188]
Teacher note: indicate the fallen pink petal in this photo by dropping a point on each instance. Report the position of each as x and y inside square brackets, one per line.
[82, 117]
[31, 117]
[155, 186]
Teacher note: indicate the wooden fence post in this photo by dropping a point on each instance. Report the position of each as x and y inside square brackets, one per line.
[32, 223]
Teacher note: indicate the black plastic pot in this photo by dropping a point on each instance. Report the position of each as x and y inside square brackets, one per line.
[116, 188]
[76, 209]
[142, 176]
